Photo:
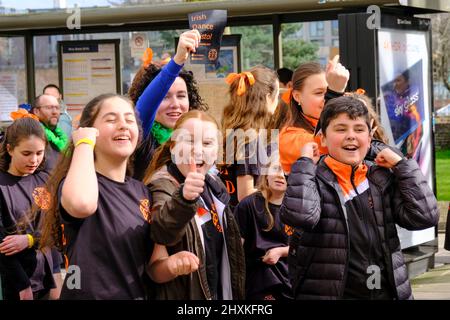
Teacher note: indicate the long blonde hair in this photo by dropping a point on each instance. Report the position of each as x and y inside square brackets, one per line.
[163, 155]
[263, 187]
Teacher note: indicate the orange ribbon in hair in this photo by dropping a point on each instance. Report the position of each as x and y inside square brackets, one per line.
[241, 76]
[22, 113]
[360, 91]
[147, 57]
[286, 97]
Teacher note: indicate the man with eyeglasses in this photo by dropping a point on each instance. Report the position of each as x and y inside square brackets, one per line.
[48, 110]
[65, 120]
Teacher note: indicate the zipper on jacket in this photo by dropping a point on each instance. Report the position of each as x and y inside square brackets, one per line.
[341, 211]
[200, 277]
[387, 249]
[364, 219]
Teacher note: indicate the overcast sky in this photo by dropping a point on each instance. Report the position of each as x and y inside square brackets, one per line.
[47, 4]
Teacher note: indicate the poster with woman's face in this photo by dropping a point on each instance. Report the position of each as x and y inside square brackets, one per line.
[404, 100]
[405, 104]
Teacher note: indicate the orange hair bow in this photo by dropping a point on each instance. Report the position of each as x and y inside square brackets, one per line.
[241, 76]
[147, 57]
[22, 113]
[360, 91]
[286, 97]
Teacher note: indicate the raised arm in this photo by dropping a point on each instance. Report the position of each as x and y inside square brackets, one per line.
[337, 75]
[414, 204]
[79, 194]
[173, 207]
[148, 103]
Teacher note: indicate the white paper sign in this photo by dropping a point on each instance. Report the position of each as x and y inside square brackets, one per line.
[8, 95]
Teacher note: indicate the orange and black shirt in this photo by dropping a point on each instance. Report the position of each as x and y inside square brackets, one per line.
[291, 142]
[245, 164]
[112, 246]
[17, 195]
[252, 218]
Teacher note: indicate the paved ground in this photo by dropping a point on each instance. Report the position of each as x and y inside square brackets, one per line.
[434, 284]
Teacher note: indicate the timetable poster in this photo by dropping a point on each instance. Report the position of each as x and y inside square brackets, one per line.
[8, 95]
[87, 70]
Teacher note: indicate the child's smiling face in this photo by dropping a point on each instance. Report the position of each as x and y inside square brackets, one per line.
[195, 141]
[348, 140]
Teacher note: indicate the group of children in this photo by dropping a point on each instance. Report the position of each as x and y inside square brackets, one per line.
[305, 223]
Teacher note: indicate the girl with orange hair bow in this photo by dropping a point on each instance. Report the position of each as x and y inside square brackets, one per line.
[22, 113]
[253, 99]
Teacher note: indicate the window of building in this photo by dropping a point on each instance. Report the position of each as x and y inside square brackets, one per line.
[335, 28]
[256, 45]
[316, 29]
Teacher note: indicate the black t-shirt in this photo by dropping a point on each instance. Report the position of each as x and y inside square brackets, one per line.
[112, 246]
[18, 194]
[244, 164]
[251, 216]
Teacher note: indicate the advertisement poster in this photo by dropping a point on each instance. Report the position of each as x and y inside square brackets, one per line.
[8, 95]
[405, 104]
[86, 71]
[226, 64]
[229, 61]
[211, 25]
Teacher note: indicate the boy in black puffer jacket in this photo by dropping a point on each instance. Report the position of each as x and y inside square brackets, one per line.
[346, 209]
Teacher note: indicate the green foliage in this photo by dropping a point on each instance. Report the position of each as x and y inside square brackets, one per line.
[443, 175]
[296, 51]
[256, 45]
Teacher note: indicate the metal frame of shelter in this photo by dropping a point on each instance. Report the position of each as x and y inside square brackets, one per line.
[171, 16]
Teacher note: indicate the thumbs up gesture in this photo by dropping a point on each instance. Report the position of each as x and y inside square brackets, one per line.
[194, 183]
[337, 75]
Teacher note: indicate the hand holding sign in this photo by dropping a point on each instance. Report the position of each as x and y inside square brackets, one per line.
[194, 183]
[187, 43]
[211, 25]
[337, 75]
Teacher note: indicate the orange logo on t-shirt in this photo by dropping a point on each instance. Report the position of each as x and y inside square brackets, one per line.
[288, 230]
[145, 210]
[230, 187]
[201, 211]
[42, 198]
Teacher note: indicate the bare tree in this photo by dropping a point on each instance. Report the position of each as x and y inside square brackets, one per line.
[441, 48]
